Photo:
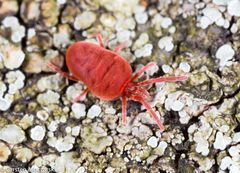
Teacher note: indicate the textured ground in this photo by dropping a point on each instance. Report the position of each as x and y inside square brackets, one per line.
[41, 130]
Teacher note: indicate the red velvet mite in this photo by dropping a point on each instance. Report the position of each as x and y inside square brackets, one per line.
[108, 75]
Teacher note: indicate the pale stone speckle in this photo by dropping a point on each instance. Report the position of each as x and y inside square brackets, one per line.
[38, 133]
[166, 43]
[221, 141]
[234, 8]
[94, 111]
[5, 152]
[225, 53]
[84, 20]
[152, 142]
[12, 134]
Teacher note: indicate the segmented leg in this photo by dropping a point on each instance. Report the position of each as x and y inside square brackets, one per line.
[55, 68]
[77, 98]
[143, 69]
[119, 48]
[124, 109]
[162, 79]
[100, 40]
[154, 115]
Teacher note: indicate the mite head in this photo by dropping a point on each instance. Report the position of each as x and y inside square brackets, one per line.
[135, 91]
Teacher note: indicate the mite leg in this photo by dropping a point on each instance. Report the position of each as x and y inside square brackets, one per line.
[119, 48]
[100, 40]
[143, 69]
[76, 99]
[162, 79]
[62, 73]
[124, 109]
[154, 115]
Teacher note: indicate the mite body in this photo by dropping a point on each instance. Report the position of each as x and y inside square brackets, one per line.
[108, 75]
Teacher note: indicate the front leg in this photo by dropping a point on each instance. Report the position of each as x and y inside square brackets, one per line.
[56, 69]
[100, 40]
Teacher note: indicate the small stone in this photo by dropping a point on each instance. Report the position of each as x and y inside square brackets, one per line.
[144, 51]
[12, 134]
[152, 142]
[108, 20]
[64, 144]
[166, 43]
[23, 154]
[184, 66]
[84, 20]
[76, 130]
[61, 2]
[95, 138]
[123, 36]
[161, 148]
[5, 152]
[42, 115]
[47, 98]
[26, 121]
[221, 142]
[177, 105]
[224, 54]
[15, 80]
[78, 110]
[68, 129]
[94, 111]
[38, 133]
[166, 22]
[234, 28]
[225, 163]
[236, 137]
[13, 57]
[234, 8]
[81, 169]
[166, 68]
[18, 31]
[141, 17]
[6, 102]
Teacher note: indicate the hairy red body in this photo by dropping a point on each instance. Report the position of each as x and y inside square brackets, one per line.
[99, 69]
[108, 75]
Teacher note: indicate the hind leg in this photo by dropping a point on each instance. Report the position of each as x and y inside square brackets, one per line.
[77, 98]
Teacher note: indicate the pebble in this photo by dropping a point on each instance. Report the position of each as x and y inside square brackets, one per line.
[12, 134]
[166, 22]
[184, 66]
[177, 105]
[13, 58]
[234, 8]
[84, 20]
[167, 68]
[38, 133]
[141, 17]
[221, 142]
[75, 131]
[94, 111]
[18, 31]
[42, 115]
[78, 110]
[145, 51]
[152, 142]
[166, 43]
[15, 80]
[49, 97]
[224, 54]
[23, 154]
[123, 36]
[5, 152]
[5, 102]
